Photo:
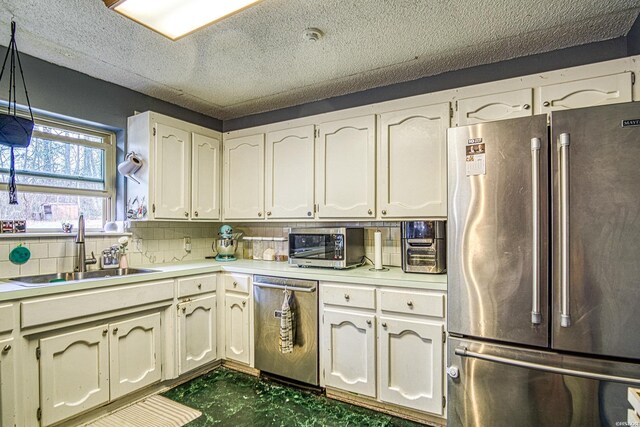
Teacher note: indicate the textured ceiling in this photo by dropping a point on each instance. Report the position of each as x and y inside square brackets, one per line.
[258, 60]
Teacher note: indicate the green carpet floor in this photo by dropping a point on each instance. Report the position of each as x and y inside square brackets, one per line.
[230, 398]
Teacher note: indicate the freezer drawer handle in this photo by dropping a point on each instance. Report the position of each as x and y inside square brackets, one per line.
[563, 152]
[290, 288]
[464, 352]
[536, 315]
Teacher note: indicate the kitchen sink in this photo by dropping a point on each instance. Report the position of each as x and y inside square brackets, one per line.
[43, 279]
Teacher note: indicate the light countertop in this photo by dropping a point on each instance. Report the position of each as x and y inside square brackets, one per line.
[394, 277]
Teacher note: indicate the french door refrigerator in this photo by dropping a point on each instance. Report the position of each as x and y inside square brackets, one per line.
[544, 269]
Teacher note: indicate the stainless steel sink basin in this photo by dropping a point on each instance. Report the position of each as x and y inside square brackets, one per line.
[43, 279]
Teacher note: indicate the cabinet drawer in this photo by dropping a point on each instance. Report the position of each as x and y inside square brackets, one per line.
[6, 318]
[237, 283]
[347, 296]
[425, 304]
[196, 285]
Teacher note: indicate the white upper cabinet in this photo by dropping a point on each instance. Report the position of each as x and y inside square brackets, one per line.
[289, 173]
[345, 168]
[590, 92]
[412, 166]
[172, 172]
[205, 173]
[243, 177]
[180, 172]
[499, 106]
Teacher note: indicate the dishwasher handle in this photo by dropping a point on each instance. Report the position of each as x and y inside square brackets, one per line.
[283, 287]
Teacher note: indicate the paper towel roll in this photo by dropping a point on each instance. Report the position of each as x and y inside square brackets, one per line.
[130, 166]
[377, 243]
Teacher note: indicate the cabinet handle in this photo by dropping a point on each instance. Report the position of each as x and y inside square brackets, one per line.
[384, 324]
[384, 212]
[196, 213]
[546, 103]
[369, 211]
[346, 296]
[309, 213]
[268, 213]
[6, 349]
[260, 214]
[369, 322]
[410, 304]
[186, 214]
[235, 284]
[115, 331]
[526, 106]
[105, 332]
[244, 303]
[199, 285]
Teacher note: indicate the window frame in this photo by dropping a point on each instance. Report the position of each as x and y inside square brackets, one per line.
[108, 193]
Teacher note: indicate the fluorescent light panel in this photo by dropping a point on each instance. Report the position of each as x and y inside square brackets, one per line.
[177, 18]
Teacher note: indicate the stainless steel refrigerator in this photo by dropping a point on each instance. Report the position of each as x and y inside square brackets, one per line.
[544, 269]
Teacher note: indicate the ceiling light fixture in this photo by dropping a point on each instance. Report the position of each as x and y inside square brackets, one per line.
[177, 18]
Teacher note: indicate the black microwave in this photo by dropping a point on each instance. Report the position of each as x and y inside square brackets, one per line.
[338, 247]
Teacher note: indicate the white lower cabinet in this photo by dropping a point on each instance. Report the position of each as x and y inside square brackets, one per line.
[7, 383]
[197, 333]
[90, 366]
[349, 346]
[135, 349]
[411, 364]
[74, 373]
[237, 334]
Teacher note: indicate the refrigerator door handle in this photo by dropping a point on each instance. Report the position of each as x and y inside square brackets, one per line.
[536, 315]
[464, 352]
[563, 152]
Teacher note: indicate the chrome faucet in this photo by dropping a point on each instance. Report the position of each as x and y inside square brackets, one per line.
[81, 259]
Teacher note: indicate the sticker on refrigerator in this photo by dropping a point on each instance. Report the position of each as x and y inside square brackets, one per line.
[475, 159]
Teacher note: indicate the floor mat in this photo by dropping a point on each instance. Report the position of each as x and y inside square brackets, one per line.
[155, 411]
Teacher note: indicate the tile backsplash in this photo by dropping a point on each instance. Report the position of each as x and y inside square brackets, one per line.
[162, 242]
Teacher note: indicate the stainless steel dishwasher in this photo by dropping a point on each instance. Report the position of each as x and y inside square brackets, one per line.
[302, 363]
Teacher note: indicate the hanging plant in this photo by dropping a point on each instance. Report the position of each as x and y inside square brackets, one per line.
[15, 131]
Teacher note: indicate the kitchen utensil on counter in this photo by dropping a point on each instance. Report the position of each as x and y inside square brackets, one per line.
[226, 244]
[423, 246]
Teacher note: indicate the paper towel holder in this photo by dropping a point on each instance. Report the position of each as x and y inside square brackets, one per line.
[378, 253]
[132, 164]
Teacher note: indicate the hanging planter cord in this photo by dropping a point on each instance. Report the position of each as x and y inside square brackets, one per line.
[15, 131]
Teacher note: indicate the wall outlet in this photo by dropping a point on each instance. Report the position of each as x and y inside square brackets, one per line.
[187, 244]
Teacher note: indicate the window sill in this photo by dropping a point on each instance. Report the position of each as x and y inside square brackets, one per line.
[35, 234]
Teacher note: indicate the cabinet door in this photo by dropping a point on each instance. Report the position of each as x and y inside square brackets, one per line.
[7, 383]
[497, 106]
[349, 351]
[74, 373]
[346, 168]
[412, 172]
[205, 177]
[289, 173]
[135, 354]
[237, 340]
[411, 364]
[243, 179]
[172, 173]
[604, 90]
[197, 332]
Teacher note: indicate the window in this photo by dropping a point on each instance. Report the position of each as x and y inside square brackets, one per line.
[65, 171]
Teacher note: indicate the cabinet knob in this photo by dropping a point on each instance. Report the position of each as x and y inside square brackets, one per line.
[526, 106]
[244, 303]
[115, 331]
[186, 214]
[199, 285]
[384, 212]
[346, 296]
[105, 332]
[235, 284]
[196, 213]
[260, 214]
[369, 211]
[184, 309]
[410, 304]
[309, 213]
[384, 324]
[6, 349]
[546, 103]
[268, 213]
[369, 322]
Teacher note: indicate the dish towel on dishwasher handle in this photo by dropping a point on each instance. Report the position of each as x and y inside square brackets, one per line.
[287, 324]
